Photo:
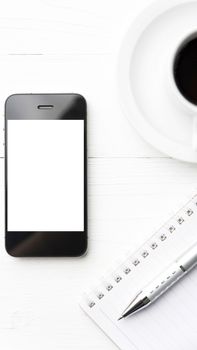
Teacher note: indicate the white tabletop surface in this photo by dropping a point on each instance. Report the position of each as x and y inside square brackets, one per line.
[72, 46]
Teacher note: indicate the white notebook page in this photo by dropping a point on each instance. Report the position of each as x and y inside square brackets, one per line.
[171, 321]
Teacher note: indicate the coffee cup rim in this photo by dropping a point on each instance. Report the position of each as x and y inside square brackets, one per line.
[190, 107]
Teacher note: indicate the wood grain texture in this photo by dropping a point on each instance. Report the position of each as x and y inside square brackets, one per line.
[72, 46]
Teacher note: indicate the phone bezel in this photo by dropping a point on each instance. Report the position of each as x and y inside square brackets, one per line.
[43, 243]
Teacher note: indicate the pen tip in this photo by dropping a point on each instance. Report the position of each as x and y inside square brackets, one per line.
[120, 318]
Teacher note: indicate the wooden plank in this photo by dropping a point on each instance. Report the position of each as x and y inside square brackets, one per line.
[109, 132]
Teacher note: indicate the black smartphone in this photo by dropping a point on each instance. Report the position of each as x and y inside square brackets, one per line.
[45, 175]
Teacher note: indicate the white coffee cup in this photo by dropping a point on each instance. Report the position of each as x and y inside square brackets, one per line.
[182, 102]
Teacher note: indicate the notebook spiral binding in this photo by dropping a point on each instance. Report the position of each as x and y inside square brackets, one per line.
[181, 216]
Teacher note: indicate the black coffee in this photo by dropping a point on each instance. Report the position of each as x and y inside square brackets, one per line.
[185, 70]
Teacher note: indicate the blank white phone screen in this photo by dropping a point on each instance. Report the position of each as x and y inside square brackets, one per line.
[45, 175]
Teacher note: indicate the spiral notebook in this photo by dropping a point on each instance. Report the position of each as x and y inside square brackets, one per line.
[171, 321]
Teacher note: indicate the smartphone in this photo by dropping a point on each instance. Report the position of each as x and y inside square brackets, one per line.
[45, 175]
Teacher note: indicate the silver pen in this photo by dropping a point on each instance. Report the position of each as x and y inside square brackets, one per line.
[162, 282]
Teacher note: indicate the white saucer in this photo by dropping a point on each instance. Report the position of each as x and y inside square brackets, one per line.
[143, 67]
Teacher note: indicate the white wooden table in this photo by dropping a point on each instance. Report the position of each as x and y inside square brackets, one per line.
[72, 46]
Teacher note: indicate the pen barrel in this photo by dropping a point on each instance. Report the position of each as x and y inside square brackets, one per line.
[189, 259]
[164, 281]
